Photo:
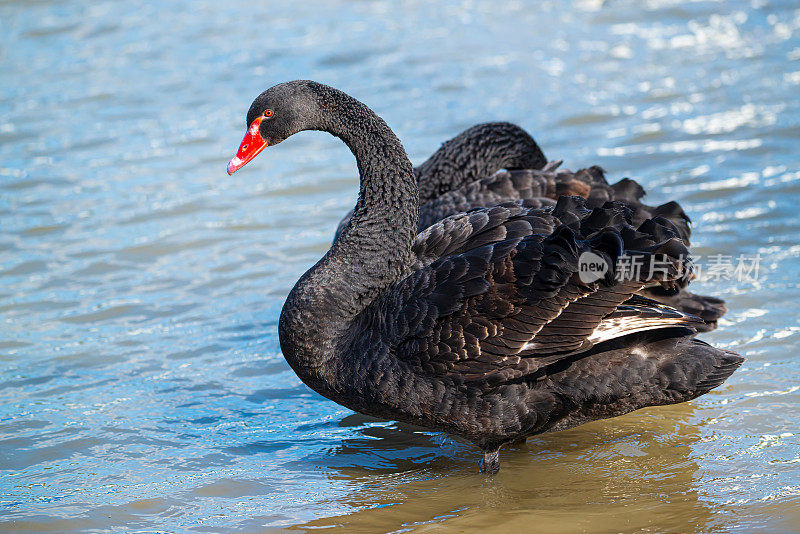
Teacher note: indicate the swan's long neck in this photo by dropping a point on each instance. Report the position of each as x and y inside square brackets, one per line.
[372, 252]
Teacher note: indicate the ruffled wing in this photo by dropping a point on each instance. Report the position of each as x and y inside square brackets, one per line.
[505, 297]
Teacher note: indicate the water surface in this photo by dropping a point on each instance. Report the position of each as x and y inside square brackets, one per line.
[142, 384]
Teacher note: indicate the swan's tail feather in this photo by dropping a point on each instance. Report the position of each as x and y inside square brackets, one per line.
[727, 363]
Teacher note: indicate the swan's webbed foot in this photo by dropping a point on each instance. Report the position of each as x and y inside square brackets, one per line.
[490, 464]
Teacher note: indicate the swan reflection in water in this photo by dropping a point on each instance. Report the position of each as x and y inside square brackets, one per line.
[638, 470]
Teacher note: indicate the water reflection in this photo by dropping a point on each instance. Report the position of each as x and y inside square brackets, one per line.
[631, 473]
[387, 447]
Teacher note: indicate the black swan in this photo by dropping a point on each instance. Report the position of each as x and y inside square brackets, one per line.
[463, 174]
[482, 325]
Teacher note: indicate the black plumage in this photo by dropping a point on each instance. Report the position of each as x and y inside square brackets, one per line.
[481, 325]
[496, 162]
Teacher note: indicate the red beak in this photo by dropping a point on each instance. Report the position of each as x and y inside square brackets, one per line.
[251, 146]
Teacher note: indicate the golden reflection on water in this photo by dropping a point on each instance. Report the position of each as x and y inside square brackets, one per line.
[634, 472]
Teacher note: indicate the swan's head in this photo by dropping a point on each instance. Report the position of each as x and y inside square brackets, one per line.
[277, 113]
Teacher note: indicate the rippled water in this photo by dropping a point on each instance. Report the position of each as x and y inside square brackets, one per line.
[142, 384]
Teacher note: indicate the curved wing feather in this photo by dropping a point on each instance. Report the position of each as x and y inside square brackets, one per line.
[490, 306]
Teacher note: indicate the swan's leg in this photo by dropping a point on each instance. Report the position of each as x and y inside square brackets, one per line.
[490, 464]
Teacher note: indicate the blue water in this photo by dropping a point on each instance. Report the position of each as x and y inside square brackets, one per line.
[142, 384]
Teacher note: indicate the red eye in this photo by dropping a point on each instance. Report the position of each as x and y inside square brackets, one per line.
[268, 113]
